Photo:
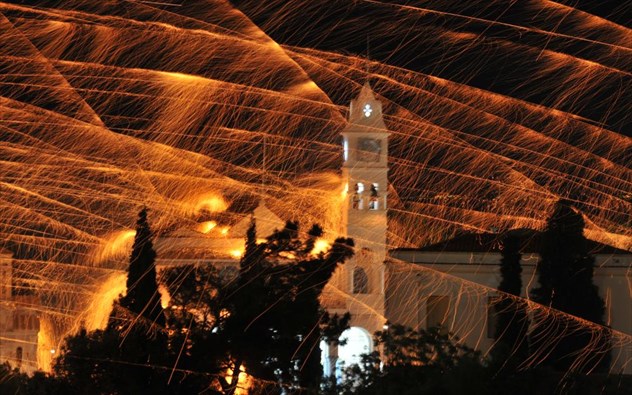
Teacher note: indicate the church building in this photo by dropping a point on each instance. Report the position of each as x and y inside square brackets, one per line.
[451, 284]
[358, 287]
[19, 326]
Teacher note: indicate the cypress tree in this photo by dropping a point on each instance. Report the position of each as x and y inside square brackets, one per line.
[512, 322]
[273, 327]
[123, 357]
[143, 297]
[565, 273]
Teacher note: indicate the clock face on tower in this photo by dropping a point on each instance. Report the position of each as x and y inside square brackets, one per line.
[369, 150]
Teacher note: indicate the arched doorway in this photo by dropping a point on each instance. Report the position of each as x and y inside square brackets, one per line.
[357, 342]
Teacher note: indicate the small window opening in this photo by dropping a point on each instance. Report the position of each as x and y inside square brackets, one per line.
[18, 356]
[357, 201]
[374, 202]
[360, 281]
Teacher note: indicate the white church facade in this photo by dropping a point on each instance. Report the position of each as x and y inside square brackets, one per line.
[19, 325]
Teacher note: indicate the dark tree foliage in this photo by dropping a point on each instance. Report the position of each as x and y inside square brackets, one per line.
[429, 362]
[196, 321]
[510, 269]
[512, 321]
[143, 298]
[416, 362]
[276, 315]
[131, 355]
[11, 380]
[565, 274]
[113, 362]
[332, 327]
[266, 320]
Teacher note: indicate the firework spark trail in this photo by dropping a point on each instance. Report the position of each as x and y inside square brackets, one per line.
[496, 106]
[623, 41]
[106, 108]
[581, 159]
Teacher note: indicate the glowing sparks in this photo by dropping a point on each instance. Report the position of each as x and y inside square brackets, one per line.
[165, 298]
[181, 77]
[210, 202]
[244, 380]
[98, 312]
[114, 246]
[237, 253]
[45, 343]
[320, 246]
[206, 226]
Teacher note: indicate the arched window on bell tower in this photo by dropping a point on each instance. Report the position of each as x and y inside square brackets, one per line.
[374, 203]
[357, 200]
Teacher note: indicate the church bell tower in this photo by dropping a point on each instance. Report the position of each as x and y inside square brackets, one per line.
[365, 172]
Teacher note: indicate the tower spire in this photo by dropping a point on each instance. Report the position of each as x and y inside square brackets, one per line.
[368, 57]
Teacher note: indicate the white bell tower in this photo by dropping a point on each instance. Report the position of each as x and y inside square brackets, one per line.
[359, 283]
[365, 172]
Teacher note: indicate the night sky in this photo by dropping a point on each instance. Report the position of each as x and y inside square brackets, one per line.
[503, 57]
[497, 109]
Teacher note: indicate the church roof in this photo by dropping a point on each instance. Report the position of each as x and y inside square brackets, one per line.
[215, 237]
[266, 221]
[366, 93]
[228, 224]
[492, 242]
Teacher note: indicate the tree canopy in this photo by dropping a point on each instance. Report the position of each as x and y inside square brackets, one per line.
[257, 326]
[142, 297]
[415, 362]
[512, 321]
[565, 274]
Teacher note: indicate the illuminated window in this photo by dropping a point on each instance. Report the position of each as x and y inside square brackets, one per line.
[357, 200]
[360, 281]
[345, 149]
[437, 308]
[367, 110]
